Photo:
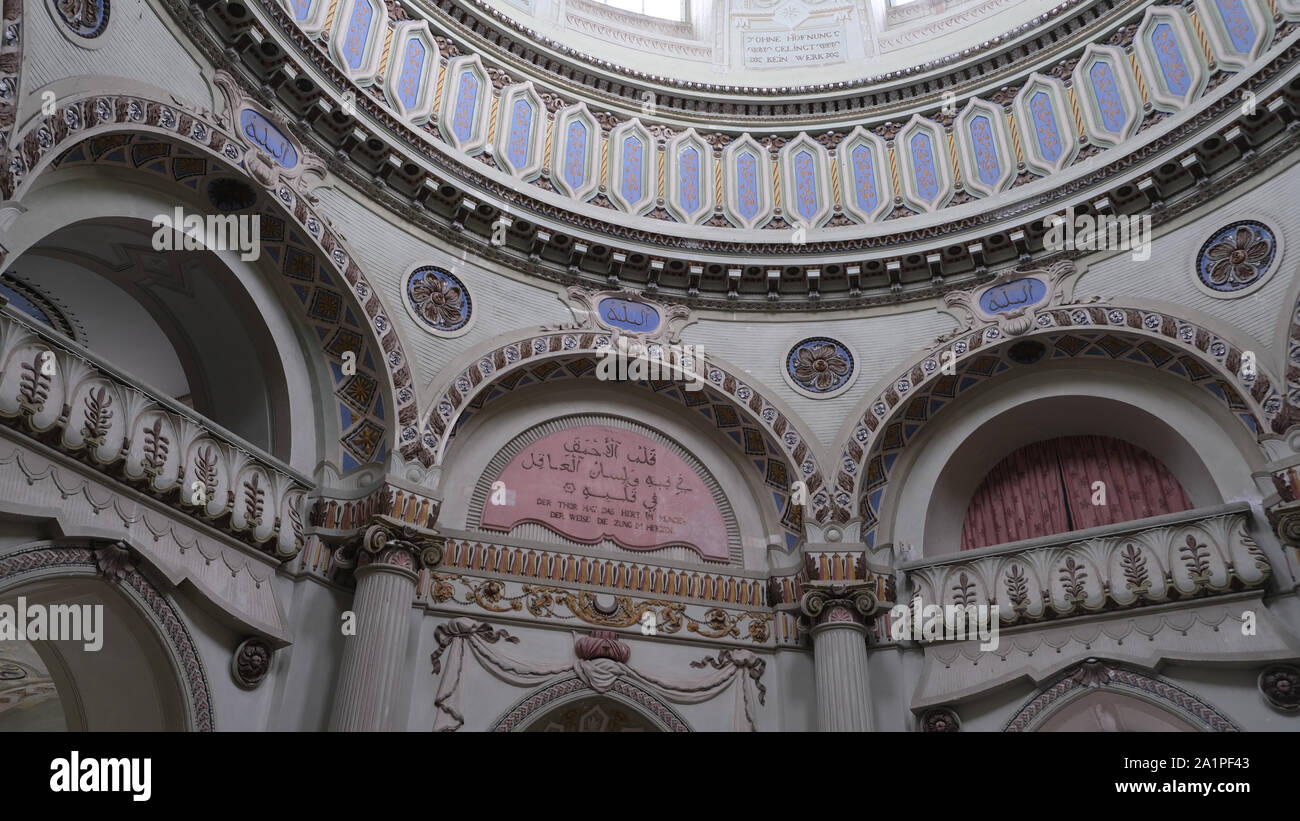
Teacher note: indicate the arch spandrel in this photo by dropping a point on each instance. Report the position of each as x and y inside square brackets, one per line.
[748, 417]
[1035, 306]
[185, 146]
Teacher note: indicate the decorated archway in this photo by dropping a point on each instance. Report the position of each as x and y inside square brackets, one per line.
[111, 569]
[758, 427]
[1094, 677]
[1024, 318]
[249, 166]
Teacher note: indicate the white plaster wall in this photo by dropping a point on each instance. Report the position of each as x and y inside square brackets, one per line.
[1169, 276]
[114, 58]
[233, 708]
[386, 249]
[881, 341]
[303, 675]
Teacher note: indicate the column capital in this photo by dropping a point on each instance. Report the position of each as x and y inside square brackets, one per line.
[839, 604]
[390, 543]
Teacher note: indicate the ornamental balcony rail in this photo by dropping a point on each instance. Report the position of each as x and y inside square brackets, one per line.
[1170, 558]
[61, 395]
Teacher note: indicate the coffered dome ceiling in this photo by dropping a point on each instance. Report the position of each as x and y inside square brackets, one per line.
[857, 187]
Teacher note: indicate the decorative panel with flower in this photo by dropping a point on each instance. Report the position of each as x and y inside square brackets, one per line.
[1237, 258]
[357, 38]
[1172, 61]
[438, 300]
[688, 171]
[411, 78]
[819, 367]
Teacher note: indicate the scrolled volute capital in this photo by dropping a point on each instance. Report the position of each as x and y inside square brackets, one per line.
[388, 543]
[827, 603]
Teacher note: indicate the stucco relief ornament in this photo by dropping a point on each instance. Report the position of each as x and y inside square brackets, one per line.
[439, 301]
[251, 663]
[820, 366]
[1280, 685]
[826, 603]
[390, 542]
[86, 18]
[624, 312]
[114, 561]
[462, 640]
[271, 155]
[1013, 300]
[940, 720]
[1237, 257]
[602, 644]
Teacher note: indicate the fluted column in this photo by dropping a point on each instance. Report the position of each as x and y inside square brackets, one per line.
[836, 615]
[375, 658]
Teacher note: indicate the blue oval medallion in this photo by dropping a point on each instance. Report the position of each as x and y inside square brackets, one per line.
[266, 136]
[627, 315]
[1009, 296]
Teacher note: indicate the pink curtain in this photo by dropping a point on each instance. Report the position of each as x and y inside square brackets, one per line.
[1136, 484]
[1022, 497]
[1047, 488]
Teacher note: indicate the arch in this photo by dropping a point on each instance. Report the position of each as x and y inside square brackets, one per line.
[757, 425]
[1094, 675]
[188, 324]
[172, 141]
[28, 565]
[943, 466]
[1056, 329]
[541, 702]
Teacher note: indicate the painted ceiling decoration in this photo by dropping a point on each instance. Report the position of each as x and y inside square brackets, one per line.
[1035, 126]
[438, 300]
[820, 367]
[1238, 258]
[85, 18]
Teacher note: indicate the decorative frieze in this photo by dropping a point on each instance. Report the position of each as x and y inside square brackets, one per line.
[1138, 565]
[63, 397]
[463, 593]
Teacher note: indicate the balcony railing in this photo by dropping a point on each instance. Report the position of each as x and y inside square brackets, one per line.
[1169, 558]
[56, 392]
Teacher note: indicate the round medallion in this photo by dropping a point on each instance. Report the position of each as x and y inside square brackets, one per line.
[438, 300]
[1238, 258]
[86, 18]
[819, 367]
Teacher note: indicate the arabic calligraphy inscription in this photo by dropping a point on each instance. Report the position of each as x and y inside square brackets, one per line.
[267, 137]
[1010, 296]
[627, 315]
[599, 482]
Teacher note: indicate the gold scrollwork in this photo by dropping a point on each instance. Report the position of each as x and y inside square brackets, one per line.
[546, 602]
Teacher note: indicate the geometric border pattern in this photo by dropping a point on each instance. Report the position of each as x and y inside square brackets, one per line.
[518, 715]
[1141, 336]
[155, 605]
[1171, 696]
[108, 116]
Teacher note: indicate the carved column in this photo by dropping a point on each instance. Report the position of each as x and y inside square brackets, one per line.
[387, 560]
[837, 616]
